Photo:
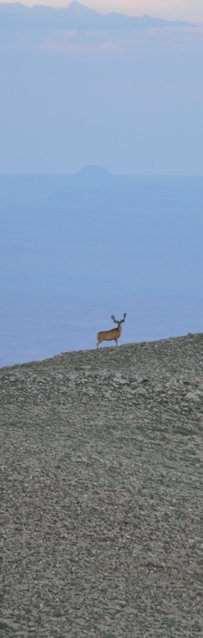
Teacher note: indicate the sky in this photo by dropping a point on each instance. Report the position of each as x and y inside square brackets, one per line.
[129, 98]
[169, 9]
[85, 89]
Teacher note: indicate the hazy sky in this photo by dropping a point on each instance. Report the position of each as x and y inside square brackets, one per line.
[130, 99]
[81, 89]
[170, 9]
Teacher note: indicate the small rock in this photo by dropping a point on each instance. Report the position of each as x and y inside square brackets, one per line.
[192, 396]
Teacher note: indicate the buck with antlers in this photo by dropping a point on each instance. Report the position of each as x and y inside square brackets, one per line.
[111, 335]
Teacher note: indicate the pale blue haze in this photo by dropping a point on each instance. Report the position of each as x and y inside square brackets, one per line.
[83, 89]
[74, 250]
[79, 88]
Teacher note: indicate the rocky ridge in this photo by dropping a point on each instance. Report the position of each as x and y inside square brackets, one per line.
[101, 477]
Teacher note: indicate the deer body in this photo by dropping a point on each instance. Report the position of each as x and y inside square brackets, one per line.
[111, 335]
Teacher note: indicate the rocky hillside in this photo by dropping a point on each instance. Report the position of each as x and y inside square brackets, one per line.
[101, 477]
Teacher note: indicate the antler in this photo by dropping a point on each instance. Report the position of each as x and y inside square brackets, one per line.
[121, 320]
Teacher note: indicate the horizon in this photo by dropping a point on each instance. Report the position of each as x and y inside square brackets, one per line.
[107, 170]
[101, 171]
[74, 250]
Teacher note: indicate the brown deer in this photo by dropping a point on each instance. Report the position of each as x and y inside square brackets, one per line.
[111, 335]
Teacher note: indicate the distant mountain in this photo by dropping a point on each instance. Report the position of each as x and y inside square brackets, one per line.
[74, 16]
[93, 176]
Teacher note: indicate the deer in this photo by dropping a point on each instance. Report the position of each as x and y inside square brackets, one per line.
[111, 335]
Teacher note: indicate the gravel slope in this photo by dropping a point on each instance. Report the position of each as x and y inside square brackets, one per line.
[101, 478]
